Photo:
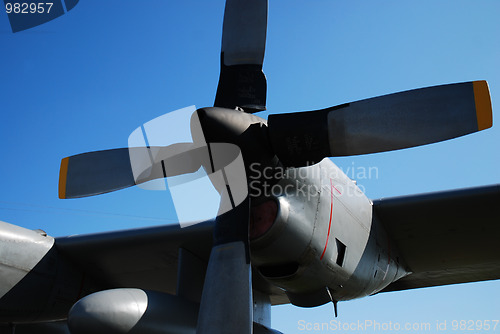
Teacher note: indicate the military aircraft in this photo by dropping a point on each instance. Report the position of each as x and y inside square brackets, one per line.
[337, 254]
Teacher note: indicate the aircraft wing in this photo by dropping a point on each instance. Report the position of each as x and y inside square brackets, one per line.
[145, 258]
[445, 237]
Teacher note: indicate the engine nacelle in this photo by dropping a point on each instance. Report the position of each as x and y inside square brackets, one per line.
[317, 238]
[120, 311]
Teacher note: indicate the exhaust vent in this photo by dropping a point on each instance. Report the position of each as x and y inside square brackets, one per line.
[279, 271]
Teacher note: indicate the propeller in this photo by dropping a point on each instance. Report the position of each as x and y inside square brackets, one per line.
[380, 124]
[226, 303]
[228, 139]
[390, 122]
[99, 172]
[242, 82]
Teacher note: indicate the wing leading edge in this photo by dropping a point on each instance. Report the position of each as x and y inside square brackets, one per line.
[146, 258]
[445, 237]
[143, 258]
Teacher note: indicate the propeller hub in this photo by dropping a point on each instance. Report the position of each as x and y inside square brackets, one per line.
[247, 131]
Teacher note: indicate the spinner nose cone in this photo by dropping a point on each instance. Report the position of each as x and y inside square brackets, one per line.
[224, 125]
[108, 312]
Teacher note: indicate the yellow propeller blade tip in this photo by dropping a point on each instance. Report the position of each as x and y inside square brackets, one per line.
[483, 105]
[63, 174]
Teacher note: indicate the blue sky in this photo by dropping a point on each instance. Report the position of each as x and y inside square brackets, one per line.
[86, 80]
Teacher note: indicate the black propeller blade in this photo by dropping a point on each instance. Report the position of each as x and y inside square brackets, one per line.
[385, 123]
[242, 82]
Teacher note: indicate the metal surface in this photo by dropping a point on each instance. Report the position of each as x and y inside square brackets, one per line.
[401, 120]
[244, 32]
[333, 211]
[190, 275]
[20, 251]
[384, 123]
[132, 311]
[445, 237]
[52, 327]
[99, 172]
[242, 82]
[310, 227]
[328, 242]
[226, 303]
[37, 283]
[145, 257]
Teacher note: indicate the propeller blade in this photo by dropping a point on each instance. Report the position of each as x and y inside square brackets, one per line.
[385, 123]
[99, 172]
[242, 82]
[226, 303]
